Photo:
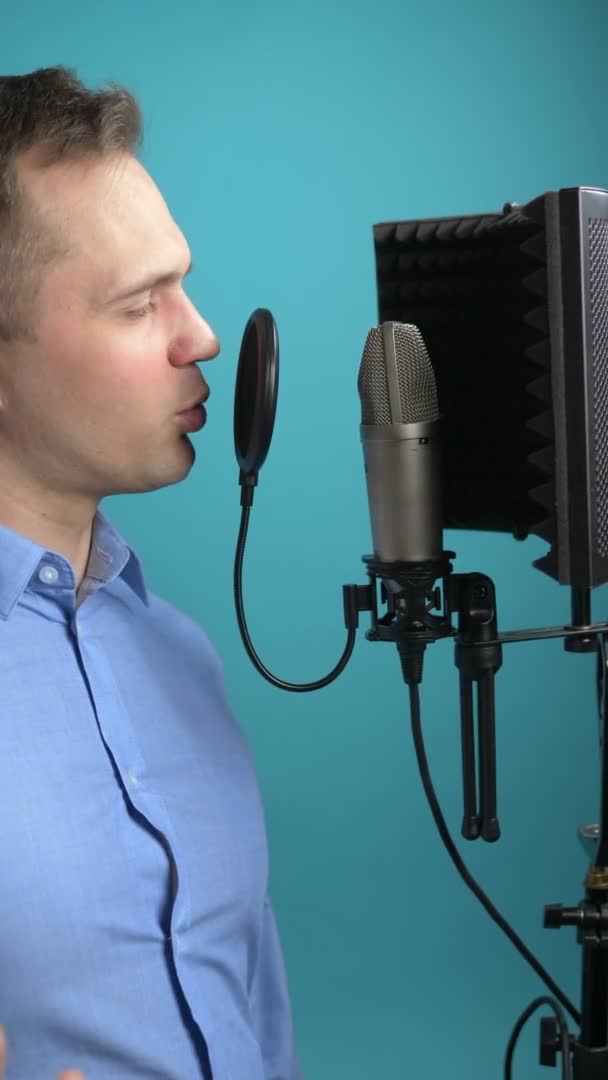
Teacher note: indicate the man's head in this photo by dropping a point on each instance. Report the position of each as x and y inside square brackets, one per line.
[91, 379]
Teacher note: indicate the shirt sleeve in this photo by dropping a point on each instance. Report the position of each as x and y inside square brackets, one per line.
[270, 1005]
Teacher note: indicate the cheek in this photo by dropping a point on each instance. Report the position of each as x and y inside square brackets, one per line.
[65, 339]
[103, 365]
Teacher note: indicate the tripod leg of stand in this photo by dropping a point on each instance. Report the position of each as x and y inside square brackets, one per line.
[590, 1051]
[594, 1025]
[490, 829]
[470, 820]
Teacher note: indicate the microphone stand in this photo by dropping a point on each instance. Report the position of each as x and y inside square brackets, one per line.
[590, 1049]
[411, 595]
[478, 659]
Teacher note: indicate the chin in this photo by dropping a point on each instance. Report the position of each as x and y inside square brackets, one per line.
[177, 470]
[172, 470]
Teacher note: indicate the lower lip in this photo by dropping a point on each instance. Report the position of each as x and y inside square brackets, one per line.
[194, 418]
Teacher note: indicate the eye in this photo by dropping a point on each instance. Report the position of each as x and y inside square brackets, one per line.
[138, 313]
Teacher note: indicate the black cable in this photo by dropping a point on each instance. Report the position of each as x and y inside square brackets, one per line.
[563, 1035]
[240, 614]
[459, 864]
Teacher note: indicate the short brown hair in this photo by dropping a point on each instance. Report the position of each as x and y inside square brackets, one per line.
[53, 110]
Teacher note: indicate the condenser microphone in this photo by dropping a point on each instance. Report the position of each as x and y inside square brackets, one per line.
[400, 426]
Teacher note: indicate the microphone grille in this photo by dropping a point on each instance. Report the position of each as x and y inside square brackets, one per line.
[414, 374]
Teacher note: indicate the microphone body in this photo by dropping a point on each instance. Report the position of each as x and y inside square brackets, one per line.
[402, 472]
[400, 424]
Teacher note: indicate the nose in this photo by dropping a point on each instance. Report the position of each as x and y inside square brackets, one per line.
[196, 341]
[210, 346]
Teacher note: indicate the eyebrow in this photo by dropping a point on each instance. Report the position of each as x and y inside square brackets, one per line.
[152, 281]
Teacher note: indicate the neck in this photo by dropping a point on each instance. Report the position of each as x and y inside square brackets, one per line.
[57, 522]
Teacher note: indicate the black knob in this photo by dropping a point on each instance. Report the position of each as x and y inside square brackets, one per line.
[553, 916]
[549, 1041]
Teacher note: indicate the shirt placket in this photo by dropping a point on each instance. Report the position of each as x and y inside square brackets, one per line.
[121, 743]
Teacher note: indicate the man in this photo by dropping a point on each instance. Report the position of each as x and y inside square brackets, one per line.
[136, 934]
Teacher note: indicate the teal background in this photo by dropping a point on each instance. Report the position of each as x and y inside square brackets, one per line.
[279, 133]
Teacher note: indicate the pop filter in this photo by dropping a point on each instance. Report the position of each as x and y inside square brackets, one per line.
[255, 394]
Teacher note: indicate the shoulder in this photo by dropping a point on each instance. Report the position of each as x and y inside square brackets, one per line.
[168, 619]
[167, 616]
[176, 630]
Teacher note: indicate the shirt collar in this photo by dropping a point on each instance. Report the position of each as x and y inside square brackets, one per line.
[110, 557]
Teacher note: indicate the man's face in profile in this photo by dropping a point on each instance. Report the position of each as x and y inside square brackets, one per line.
[90, 407]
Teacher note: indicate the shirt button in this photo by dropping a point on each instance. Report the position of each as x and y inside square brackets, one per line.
[48, 574]
[133, 777]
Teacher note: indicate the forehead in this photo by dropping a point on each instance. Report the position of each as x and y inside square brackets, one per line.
[110, 215]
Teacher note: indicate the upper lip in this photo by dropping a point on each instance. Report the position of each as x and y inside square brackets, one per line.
[199, 400]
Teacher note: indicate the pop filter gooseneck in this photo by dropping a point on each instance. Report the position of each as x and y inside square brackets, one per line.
[255, 402]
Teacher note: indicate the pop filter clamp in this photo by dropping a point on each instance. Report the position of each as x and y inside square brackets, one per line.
[418, 612]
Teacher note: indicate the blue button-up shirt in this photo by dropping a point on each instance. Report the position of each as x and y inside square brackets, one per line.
[136, 934]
